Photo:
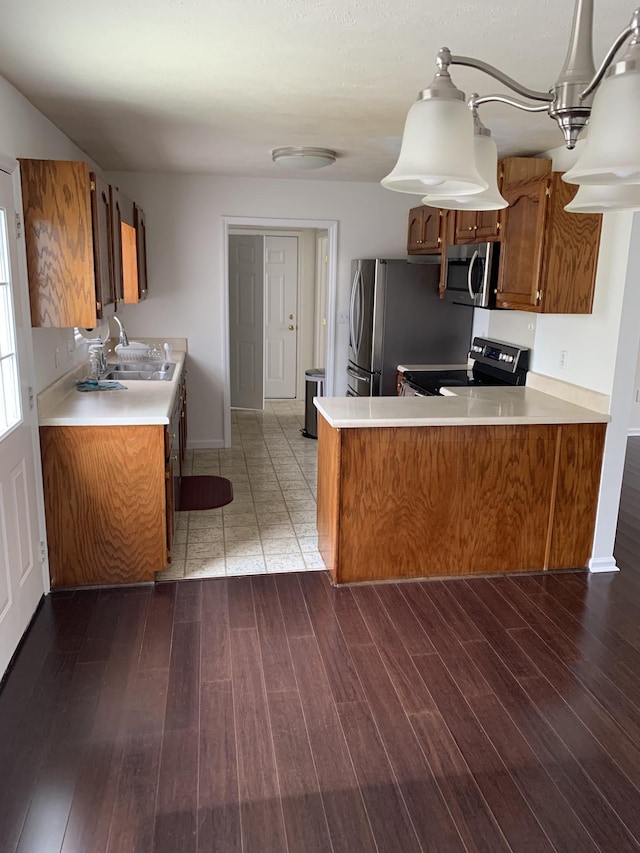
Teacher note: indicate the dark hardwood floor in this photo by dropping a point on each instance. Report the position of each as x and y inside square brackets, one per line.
[276, 713]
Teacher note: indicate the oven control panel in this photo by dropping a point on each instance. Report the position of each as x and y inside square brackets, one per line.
[507, 357]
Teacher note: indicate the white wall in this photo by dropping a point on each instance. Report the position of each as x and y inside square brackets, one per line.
[185, 249]
[25, 132]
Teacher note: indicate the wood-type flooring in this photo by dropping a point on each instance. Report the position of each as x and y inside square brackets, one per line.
[276, 713]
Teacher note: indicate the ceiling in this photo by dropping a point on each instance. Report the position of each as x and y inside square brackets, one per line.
[211, 86]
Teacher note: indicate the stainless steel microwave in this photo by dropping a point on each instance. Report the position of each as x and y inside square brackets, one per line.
[472, 274]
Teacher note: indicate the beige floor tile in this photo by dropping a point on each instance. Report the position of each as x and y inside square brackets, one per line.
[240, 534]
[204, 568]
[205, 534]
[245, 566]
[284, 562]
[305, 529]
[175, 572]
[198, 522]
[277, 531]
[248, 519]
[205, 550]
[289, 545]
[299, 506]
[306, 516]
[308, 543]
[313, 560]
[180, 536]
[243, 548]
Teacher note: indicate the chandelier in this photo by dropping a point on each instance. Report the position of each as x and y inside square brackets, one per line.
[448, 155]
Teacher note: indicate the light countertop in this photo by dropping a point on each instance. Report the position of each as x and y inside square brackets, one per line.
[143, 402]
[469, 406]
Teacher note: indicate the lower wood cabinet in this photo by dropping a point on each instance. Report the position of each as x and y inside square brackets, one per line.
[455, 500]
[110, 495]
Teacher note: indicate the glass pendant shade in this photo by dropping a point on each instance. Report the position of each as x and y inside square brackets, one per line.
[594, 198]
[611, 153]
[486, 158]
[437, 151]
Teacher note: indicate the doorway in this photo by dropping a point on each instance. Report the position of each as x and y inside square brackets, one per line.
[265, 358]
[264, 282]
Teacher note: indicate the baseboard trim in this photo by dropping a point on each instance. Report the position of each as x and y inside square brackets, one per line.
[633, 431]
[602, 564]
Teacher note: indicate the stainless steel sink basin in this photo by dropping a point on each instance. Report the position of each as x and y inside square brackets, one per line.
[131, 371]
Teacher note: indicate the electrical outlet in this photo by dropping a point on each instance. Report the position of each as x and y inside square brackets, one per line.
[564, 355]
[71, 348]
[56, 358]
[343, 317]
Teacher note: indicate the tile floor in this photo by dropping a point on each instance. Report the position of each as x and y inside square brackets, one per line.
[270, 526]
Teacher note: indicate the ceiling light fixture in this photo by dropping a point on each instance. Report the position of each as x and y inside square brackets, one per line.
[438, 154]
[303, 158]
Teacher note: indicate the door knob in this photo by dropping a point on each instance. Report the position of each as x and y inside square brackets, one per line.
[292, 316]
[291, 328]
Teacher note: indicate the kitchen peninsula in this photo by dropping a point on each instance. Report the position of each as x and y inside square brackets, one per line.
[492, 480]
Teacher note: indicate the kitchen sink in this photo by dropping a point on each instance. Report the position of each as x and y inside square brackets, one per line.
[141, 370]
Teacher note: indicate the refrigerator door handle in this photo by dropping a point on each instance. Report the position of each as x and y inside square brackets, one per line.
[360, 310]
[470, 274]
[352, 334]
[356, 375]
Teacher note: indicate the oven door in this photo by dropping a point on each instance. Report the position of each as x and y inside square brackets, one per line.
[407, 389]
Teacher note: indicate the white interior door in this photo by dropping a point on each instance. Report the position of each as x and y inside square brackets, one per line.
[21, 580]
[246, 313]
[281, 317]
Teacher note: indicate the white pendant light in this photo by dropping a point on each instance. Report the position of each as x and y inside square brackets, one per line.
[437, 144]
[596, 198]
[486, 158]
[612, 148]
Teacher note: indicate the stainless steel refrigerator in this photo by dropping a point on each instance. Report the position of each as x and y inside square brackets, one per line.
[396, 317]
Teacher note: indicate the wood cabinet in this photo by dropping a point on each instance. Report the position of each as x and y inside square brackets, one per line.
[68, 236]
[83, 244]
[404, 502]
[476, 226]
[110, 495]
[548, 257]
[424, 235]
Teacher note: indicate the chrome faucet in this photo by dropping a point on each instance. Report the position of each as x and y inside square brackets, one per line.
[124, 340]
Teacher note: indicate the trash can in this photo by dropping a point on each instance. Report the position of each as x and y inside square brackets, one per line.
[314, 387]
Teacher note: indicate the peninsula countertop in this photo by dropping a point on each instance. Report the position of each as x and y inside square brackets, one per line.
[143, 402]
[470, 406]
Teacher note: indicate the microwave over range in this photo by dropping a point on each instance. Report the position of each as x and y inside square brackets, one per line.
[472, 274]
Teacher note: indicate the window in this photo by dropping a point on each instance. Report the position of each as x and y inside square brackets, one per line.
[10, 411]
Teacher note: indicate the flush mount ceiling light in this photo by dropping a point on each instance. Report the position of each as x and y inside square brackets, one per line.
[438, 155]
[303, 158]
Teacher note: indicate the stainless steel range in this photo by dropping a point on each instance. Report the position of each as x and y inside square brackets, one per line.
[494, 363]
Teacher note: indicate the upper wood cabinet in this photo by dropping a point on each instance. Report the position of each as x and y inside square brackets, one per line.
[68, 236]
[476, 226]
[132, 250]
[425, 235]
[548, 257]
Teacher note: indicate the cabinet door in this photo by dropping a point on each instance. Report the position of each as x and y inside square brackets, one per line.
[56, 200]
[487, 225]
[466, 226]
[102, 243]
[141, 248]
[522, 247]
[116, 232]
[424, 235]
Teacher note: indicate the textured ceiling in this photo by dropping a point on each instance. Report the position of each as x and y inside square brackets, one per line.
[211, 86]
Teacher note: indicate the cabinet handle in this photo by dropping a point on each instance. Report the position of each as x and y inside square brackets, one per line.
[174, 458]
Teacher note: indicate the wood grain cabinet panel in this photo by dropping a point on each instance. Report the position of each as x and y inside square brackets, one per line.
[548, 257]
[442, 501]
[424, 233]
[58, 226]
[104, 491]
